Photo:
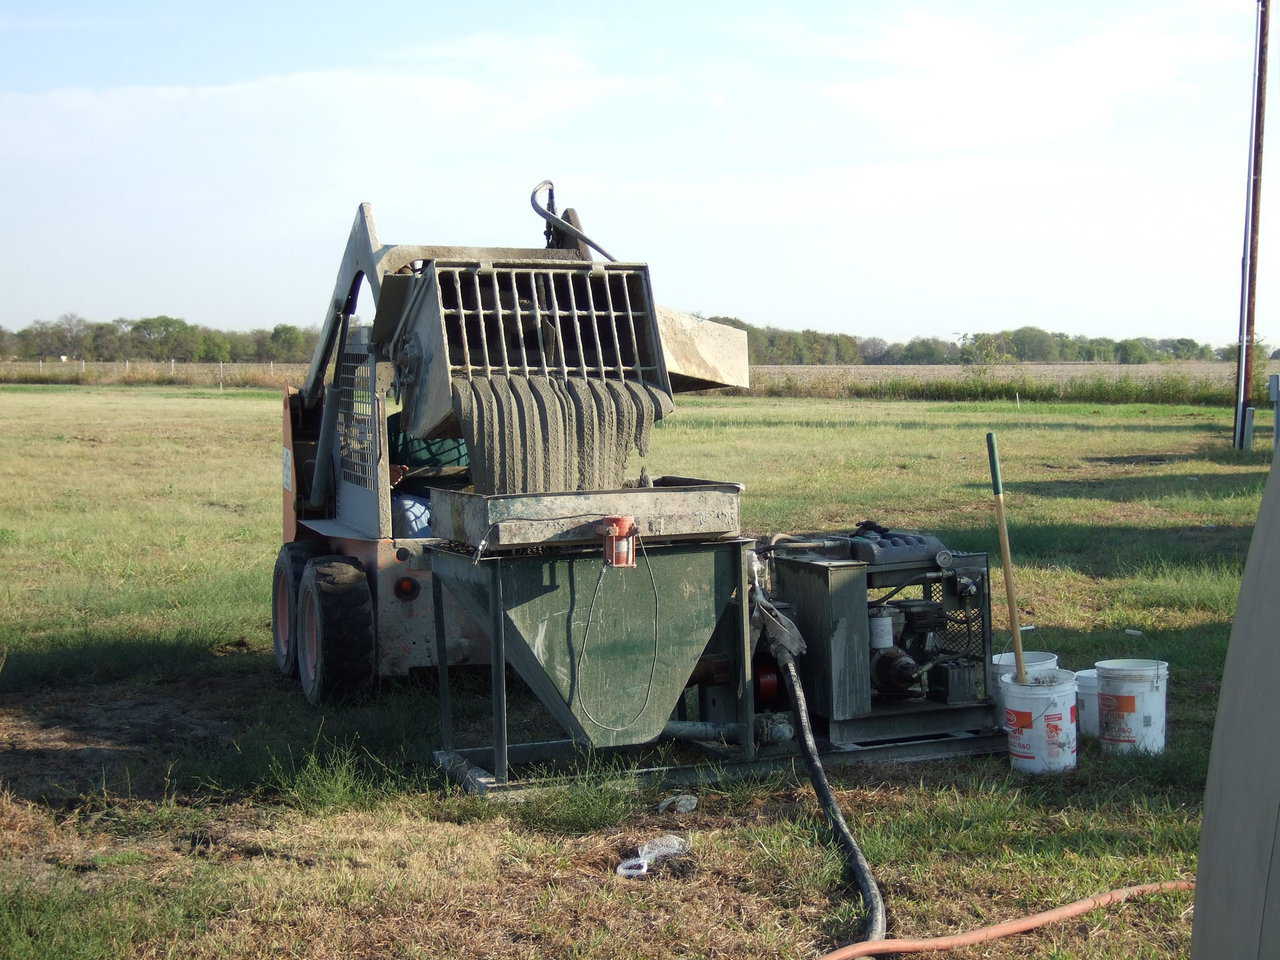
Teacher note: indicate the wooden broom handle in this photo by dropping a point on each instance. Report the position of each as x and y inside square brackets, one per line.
[1006, 561]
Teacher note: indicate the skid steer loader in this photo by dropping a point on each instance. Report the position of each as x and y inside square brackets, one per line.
[428, 432]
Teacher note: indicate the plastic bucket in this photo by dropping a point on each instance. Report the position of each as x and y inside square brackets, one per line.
[1040, 716]
[1087, 702]
[1131, 704]
[1035, 661]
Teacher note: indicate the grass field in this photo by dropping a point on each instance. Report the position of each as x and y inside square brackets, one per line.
[165, 794]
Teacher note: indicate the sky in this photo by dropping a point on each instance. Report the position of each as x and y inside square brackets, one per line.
[878, 168]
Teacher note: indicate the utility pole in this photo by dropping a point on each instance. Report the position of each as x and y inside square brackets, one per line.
[1253, 199]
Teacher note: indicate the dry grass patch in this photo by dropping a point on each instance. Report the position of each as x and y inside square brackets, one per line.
[24, 827]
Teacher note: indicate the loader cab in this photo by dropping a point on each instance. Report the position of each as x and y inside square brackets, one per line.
[418, 467]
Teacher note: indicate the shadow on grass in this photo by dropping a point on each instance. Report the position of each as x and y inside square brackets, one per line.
[1138, 488]
[1107, 551]
[74, 657]
[170, 721]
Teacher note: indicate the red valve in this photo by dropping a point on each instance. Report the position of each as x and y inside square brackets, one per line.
[619, 541]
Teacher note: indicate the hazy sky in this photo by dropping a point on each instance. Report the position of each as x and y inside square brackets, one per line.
[879, 168]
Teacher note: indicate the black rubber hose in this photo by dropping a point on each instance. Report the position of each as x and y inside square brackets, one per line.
[873, 927]
[563, 225]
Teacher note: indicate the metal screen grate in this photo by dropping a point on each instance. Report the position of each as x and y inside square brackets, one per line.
[573, 321]
[357, 431]
[965, 634]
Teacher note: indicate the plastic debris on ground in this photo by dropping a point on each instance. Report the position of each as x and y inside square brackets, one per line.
[680, 803]
[652, 853]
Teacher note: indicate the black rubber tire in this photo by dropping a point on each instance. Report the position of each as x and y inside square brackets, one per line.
[290, 563]
[335, 629]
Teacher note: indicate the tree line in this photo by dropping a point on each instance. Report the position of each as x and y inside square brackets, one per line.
[155, 338]
[171, 338]
[772, 345]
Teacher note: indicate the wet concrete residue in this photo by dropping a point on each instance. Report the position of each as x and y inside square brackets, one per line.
[540, 435]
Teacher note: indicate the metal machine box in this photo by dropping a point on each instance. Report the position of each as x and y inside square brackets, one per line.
[941, 639]
[830, 607]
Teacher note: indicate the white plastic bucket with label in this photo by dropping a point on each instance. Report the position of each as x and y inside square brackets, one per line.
[1035, 661]
[1131, 704]
[1087, 702]
[1040, 716]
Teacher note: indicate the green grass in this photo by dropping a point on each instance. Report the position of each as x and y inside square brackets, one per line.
[62, 920]
[157, 751]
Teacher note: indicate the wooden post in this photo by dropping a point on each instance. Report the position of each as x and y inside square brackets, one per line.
[1006, 560]
[1253, 212]
[1248, 429]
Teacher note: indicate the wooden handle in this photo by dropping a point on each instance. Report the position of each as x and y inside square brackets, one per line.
[1006, 560]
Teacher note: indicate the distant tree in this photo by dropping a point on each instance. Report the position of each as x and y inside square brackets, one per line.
[164, 338]
[1134, 351]
[71, 330]
[215, 347]
[846, 349]
[105, 341]
[37, 340]
[985, 348]
[242, 345]
[286, 343]
[262, 348]
[310, 340]
[8, 344]
[1099, 350]
[1184, 348]
[872, 349]
[894, 353]
[1070, 349]
[1031, 344]
[928, 350]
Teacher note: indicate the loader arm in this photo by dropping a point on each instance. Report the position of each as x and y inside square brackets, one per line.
[362, 259]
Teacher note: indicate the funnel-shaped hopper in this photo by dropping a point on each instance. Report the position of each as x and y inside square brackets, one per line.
[609, 656]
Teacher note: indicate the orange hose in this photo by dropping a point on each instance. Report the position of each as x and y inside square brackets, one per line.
[873, 948]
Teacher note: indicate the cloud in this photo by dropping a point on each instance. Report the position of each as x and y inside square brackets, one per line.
[915, 174]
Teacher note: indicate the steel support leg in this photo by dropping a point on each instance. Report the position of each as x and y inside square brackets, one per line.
[442, 665]
[498, 673]
[746, 679]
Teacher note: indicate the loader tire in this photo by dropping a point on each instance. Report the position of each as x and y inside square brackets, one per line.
[290, 563]
[335, 629]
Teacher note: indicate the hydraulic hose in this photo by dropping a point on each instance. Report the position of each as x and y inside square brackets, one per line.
[873, 928]
[1021, 925]
[786, 643]
[563, 225]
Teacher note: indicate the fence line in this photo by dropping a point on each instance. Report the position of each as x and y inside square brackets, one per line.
[1176, 382]
[267, 373]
